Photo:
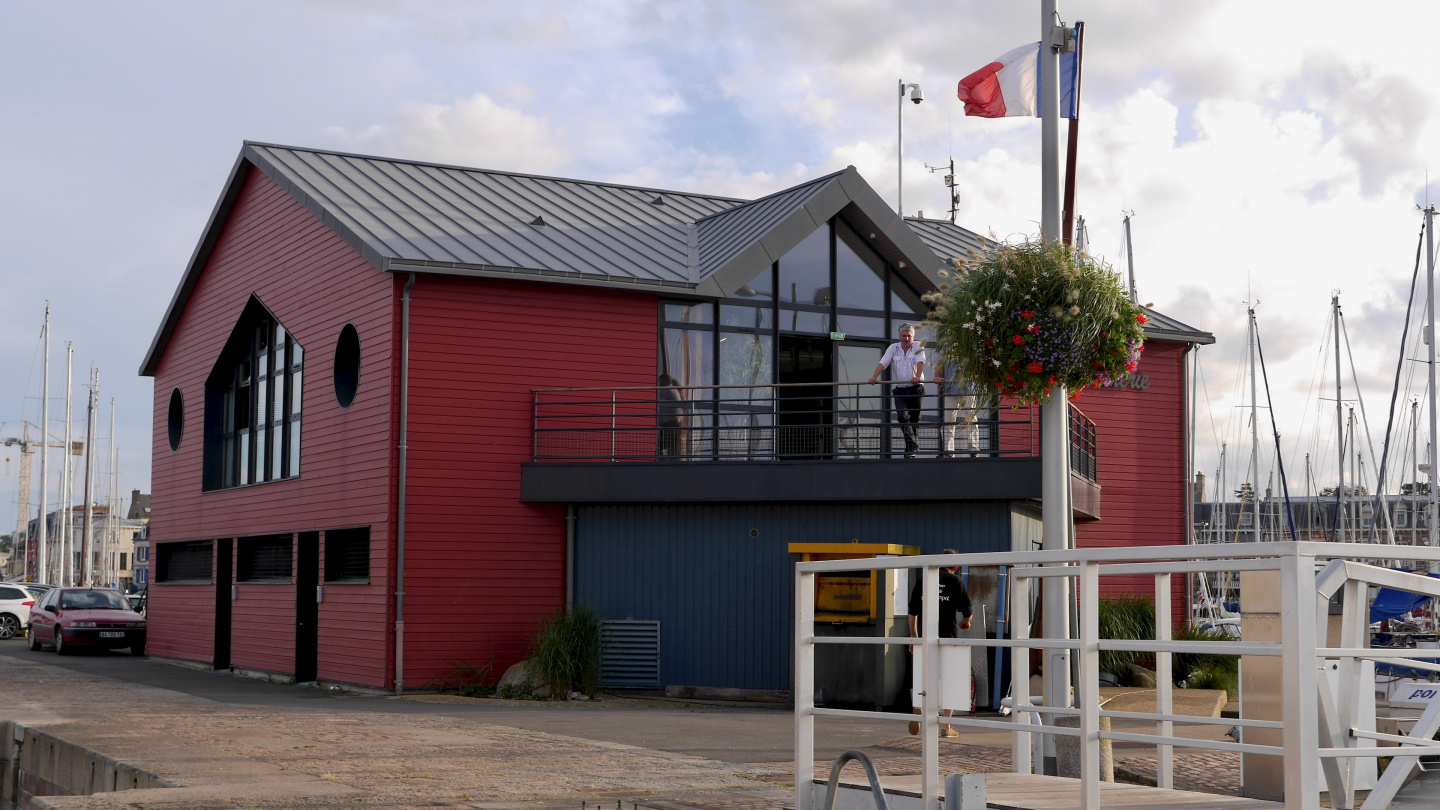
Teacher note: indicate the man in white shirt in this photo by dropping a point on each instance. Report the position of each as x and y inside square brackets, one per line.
[906, 361]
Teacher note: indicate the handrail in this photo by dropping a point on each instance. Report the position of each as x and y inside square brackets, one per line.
[1308, 731]
[834, 784]
[780, 421]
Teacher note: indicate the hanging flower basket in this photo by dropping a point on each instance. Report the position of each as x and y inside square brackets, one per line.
[1027, 316]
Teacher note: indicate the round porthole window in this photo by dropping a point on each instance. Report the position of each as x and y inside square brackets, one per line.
[176, 419]
[347, 365]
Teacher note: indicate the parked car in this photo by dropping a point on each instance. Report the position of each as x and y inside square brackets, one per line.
[94, 618]
[15, 604]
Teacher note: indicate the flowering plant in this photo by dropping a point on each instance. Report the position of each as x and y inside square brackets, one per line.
[1027, 316]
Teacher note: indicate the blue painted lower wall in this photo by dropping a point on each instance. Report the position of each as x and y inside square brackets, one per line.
[718, 578]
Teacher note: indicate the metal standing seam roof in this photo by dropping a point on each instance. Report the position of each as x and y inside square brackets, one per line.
[410, 216]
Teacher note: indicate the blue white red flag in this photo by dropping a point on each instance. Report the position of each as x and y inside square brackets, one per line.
[1010, 85]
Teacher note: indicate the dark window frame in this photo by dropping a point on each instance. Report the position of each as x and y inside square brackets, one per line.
[251, 553]
[338, 569]
[164, 559]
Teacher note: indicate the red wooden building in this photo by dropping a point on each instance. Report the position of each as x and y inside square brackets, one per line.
[403, 411]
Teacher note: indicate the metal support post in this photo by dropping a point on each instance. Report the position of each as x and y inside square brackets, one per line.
[1301, 734]
[804, 689]
[1020, 741]
[930, 698]
[1164, 699]
[1089, 587]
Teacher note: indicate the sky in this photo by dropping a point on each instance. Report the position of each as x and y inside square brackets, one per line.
[1270, 152]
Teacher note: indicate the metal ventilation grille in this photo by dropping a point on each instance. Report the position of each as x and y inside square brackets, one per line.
[632, 653]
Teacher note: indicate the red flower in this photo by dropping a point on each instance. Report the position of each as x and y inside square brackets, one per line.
[1102, 334]
[1027, 314]
[1131, 366]
[1033, 329]
[1017, 340]
[1052, 379]
[1036, 368]
[1140, 318]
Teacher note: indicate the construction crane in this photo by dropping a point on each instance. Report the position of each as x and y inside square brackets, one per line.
[22, 531]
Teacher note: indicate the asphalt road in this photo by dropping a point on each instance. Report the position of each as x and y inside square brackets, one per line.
[724, 733]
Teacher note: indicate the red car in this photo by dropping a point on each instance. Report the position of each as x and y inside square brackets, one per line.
[86, 618]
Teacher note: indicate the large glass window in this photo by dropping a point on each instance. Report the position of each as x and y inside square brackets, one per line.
[859, 273]
[253, 404]
[805, 271]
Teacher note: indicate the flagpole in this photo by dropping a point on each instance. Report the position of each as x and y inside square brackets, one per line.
[1054, 415]
[1074, 145]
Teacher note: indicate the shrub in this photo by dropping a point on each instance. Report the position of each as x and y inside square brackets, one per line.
[1209, 667]
[1126, 617]
[467, 679]
[567, 652]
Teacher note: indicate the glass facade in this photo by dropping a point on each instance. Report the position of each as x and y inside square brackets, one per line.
[831, 282]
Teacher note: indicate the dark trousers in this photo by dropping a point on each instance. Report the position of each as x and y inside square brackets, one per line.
[907, 412]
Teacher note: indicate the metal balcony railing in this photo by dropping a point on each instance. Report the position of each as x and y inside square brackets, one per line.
[830, 421]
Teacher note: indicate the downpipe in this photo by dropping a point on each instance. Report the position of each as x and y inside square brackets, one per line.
[400, 508]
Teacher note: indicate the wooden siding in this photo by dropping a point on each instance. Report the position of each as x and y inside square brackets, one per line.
[1141, 436]
[314, 284]
[481, 568]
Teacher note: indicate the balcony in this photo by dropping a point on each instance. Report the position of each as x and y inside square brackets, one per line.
[795, 442]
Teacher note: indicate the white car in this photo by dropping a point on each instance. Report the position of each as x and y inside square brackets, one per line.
[15, 604]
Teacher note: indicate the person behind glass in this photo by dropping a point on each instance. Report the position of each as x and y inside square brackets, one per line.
[669, 416]
[906, 361]
[954, 604]
[954, 416]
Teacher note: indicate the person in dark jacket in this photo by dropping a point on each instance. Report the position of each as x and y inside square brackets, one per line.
[954, 617]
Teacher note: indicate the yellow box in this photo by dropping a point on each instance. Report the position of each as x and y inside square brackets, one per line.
[848, 597]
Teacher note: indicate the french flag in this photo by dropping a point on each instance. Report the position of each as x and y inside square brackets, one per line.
[1010, 85]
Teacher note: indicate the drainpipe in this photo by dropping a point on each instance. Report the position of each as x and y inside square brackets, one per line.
[569, 557]
[400, 516]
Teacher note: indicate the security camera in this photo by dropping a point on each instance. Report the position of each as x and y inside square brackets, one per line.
[917, 95]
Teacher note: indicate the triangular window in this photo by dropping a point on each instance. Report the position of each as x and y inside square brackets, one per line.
[253, 404]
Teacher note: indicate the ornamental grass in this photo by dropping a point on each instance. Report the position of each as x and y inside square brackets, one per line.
[1024, 317]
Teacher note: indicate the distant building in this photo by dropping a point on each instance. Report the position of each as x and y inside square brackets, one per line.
[139, 505]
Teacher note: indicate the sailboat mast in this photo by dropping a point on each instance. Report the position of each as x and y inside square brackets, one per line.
[1339, 425]
[42, 568]
[1430, 341]
[1221, 497]
[1254, 433]
[87, 563]
[1415, 469]
[1309, 512]
[109, 542]
[67, 476]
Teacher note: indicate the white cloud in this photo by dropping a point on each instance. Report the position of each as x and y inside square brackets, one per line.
[474, 131]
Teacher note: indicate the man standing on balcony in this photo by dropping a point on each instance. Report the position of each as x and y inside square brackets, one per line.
[906, 361]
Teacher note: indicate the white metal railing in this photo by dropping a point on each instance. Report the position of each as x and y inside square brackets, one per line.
[1302, 617]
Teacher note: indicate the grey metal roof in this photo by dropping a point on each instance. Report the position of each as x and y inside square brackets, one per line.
[1164, 327]
[946, 239]
[405, 216]
[431, 216]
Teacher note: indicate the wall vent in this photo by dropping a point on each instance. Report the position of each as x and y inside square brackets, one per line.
[632, 654]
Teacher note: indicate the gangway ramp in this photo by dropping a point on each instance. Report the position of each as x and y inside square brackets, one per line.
[1023, 791]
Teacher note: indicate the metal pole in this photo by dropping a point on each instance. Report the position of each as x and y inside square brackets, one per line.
[42, 568]
[110, 528]
[1254, 434]
[67, 480]
[1430, 341]
[86, 563]
[1340, 424]
[1415, 469]
[1054, 415]
[900, 152]
[1130, 259]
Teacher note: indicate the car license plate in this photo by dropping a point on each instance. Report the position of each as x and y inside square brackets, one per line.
[112, 634]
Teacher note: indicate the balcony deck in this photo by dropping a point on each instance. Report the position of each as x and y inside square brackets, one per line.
[778, 443]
